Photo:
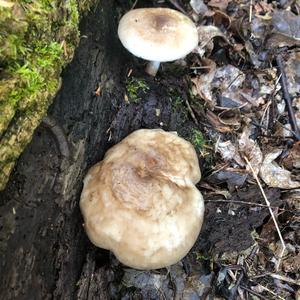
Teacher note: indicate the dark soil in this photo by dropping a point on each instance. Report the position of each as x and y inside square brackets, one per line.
[45, 253]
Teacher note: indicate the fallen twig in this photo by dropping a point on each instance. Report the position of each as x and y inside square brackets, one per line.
[287, 98]
[234, 289]
[242, 202]
[59, 134]
[191, 112]
[254, 293]
[250, 11]
[285, 278]
[134, 4]
[271, 212]
[178, 6]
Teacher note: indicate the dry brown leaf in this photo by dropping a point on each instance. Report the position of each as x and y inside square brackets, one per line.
[250, 149]
[286, 29]
[215, 122]
[231, 117]
[206, 34]
[262, 8]
[275, 176]
[214, 190]
[229, 152]
[221, 19]
[202, 82]
[292, 70]
[292, 264]
[229, 78]
[220, 4]
[293, 158]
[199, 7]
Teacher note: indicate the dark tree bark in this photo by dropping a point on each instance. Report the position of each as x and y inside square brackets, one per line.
[43, 248]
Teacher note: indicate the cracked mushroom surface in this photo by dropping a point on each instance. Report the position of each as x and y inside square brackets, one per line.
[141, 202]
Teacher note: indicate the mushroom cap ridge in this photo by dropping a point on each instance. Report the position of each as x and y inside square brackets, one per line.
[157, 34]
[141, 203]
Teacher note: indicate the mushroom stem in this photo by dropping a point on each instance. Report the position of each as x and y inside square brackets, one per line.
[152, 67]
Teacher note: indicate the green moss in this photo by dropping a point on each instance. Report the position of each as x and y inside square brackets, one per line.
[135, 89]
[202, 146]
[200, 256]
[198, 140]
[178, 105]
[37, 38]
[31, 75]
[84, 6]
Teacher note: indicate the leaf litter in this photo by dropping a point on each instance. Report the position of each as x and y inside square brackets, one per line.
[252, 186]
[246, 108]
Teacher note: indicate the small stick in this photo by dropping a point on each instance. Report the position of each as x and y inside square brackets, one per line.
[271, 212]
[191, 111]
[271, 292]
[134, 4]
[178, 6]
[254, 293]
[59, 134]
[277, 276]
[250, 11]
[241, 202]
[235, 288]
[287, 98]
[285, 278]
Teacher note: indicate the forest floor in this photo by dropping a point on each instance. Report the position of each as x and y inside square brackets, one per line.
[236, 99]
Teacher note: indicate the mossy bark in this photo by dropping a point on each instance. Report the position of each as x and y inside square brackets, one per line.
[37, 39]
[44, 253]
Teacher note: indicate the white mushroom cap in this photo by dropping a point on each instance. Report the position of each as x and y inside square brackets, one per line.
[157, 34]
[141, 202]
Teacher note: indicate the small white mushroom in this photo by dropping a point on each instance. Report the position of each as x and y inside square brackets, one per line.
[158, 35]
[141, 202]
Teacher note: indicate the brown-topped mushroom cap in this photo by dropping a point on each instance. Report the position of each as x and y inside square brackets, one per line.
[141, 202]
[157, 34]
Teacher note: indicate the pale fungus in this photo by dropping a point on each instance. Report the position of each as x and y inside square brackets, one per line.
[157, 35]
[141, 202]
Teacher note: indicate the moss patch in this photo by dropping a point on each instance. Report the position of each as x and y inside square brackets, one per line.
[198, 140]
[37, 39]
[202, 146]
[178, 104]
[136, 89]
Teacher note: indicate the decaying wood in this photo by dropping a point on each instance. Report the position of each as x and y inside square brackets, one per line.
[44, 253]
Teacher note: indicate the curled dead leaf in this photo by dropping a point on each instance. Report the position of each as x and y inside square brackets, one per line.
[199, 7]
[206, 34]
[229, 152]
[221, 19]
[292, 160]
[231, 117]
[275, 176]
[286, 29]
[202, 82]
[215, 122]
[250, 149]
[292, 70]
[220, 4]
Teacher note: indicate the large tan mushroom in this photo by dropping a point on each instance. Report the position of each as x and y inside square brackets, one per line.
[141, 202]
